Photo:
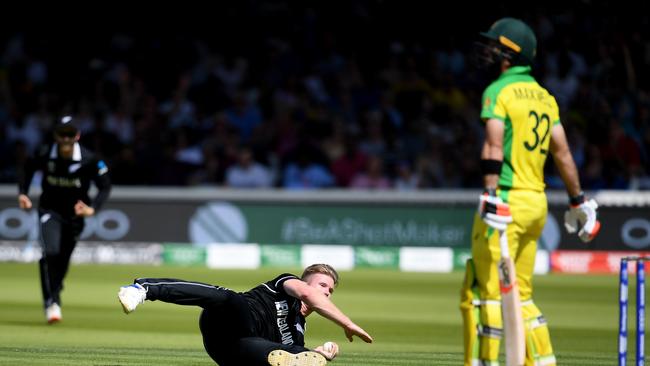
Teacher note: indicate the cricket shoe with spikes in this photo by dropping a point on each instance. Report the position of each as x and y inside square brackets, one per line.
[307, 358]
[131, 296]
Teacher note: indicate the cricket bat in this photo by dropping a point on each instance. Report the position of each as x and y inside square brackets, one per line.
[513, 321]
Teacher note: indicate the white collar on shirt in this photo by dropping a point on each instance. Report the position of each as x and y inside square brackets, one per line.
[76, 153]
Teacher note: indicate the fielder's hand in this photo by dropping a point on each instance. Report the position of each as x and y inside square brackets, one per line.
[24, 202]
[494, 211]
[583, 216]
[329, 350]
[83, 210]
[355, 330]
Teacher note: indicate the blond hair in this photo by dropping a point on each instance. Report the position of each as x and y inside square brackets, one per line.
[322, 268]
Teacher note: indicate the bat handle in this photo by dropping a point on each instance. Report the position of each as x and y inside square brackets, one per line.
[503, 241]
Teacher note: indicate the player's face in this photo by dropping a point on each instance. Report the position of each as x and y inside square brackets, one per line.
[66, 143]
[66, 139]
[322, 282]
[487, 56]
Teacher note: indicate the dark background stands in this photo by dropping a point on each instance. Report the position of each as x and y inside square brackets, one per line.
[328, 85]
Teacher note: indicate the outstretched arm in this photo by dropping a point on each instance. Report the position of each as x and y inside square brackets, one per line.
[318, 302]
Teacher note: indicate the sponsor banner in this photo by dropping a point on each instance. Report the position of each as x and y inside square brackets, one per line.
[460, 258]
[280, 255]
[118, 253]
[244, 256]
[573, 261]
[376, 257]
[87, 252]
[184, 255]
[359, 225]
[200, 222]
[185, 219]
[19, 251]
[426, 259]
[252, 256]
[340, 257]
[566, 261]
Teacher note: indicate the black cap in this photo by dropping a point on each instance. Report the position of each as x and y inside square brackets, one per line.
[66, 127]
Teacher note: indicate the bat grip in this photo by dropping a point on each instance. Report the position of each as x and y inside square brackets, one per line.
[503, 241]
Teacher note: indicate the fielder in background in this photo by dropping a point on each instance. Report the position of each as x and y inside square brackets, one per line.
[260, 327]
[522, 126]
[67, 171]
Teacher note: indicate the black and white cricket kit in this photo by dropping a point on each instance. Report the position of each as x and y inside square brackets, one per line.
[64, 182]
[238, 328]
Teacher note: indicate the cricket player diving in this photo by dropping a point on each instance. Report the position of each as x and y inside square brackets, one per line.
[262, 327]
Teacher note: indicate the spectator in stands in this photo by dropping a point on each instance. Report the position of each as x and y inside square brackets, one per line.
[372, 177]
[407, 179]
[393, 92]
[248, 173]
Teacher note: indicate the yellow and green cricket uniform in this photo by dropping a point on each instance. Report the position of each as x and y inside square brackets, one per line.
[528, 112]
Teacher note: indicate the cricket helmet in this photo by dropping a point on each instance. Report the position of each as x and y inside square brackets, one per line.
[517, 42]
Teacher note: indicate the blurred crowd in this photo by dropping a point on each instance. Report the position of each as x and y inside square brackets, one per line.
[365, 95]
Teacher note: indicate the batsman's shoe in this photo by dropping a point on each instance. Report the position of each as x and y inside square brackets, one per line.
[131, 296]
[307, 358]
[53, 313]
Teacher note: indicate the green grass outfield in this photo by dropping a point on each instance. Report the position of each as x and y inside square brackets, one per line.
[413, 317]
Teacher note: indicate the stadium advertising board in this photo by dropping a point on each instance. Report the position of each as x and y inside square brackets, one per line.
[291, 223]
[585, 261]
[223, 222]
[358, 225]
[280, 256]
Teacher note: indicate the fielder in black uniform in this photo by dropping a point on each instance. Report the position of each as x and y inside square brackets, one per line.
[261, 327]
[68, 169]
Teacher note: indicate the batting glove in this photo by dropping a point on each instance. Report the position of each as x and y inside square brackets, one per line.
[494, 211]
[583, 218]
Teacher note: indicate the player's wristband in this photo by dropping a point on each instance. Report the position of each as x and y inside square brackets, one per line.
[491, 166]
[577, 200]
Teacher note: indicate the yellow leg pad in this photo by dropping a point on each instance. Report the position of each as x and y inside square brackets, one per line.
[470, 315]
[490, 331]
[539, 351]
[482, 328]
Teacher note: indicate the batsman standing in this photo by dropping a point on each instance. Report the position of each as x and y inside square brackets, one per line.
[522, 126]
[68, 169]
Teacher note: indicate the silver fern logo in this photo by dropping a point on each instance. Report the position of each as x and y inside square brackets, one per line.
[218, 222]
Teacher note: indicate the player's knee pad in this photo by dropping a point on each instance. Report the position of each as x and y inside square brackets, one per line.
[539, 351]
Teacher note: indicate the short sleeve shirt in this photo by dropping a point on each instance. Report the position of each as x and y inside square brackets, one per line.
[277, 314]
[529, 112]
